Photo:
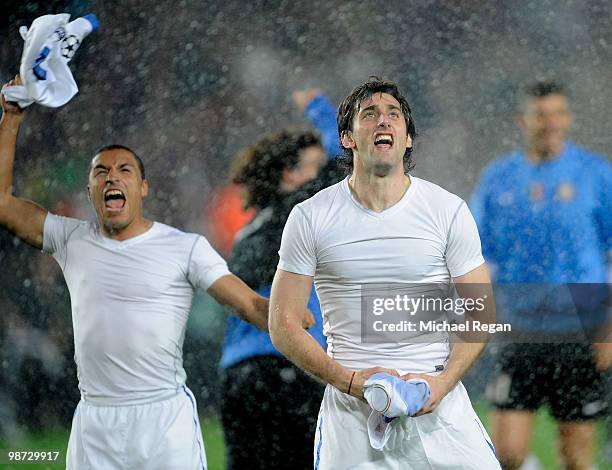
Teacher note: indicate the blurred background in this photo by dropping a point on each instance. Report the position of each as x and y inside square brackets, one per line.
[189, 83]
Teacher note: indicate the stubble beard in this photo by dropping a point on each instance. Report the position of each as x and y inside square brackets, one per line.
[113, 228]
[382, 170]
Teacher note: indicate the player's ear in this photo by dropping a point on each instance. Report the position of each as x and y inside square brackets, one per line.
[408, 142]
[144, 188]
[347, 140]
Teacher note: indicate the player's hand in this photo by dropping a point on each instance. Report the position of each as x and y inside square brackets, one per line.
[603, 356]
[308, 319]
[439, 388]
[10, 107]
[362, 375]
[302, 98]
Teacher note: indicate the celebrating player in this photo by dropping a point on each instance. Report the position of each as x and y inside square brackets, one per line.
[380, 226]
[545, 217]
[131, 282]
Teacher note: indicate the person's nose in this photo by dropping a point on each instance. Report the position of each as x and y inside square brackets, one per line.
[383, 120]
[112, 175]
[551, 121]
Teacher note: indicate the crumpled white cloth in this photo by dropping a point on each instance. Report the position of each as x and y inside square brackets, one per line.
[391, 397]
[50, 43]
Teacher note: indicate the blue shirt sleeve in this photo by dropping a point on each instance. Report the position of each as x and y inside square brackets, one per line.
[322, 116]
[479, 207]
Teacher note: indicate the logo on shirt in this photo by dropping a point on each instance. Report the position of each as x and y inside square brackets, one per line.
[69, 46]
[566, 192]
[536, 192]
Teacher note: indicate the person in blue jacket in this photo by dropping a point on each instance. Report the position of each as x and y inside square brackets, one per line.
[545, 219]
[269, 406]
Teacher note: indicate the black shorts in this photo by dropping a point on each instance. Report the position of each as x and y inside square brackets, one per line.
[269, 414]
[563, 376]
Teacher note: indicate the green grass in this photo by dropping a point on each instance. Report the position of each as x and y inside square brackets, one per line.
[50, 439]
[213, 441]
[544, 443]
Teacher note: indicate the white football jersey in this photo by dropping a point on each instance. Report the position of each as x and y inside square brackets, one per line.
[130, 304]
[429, 236]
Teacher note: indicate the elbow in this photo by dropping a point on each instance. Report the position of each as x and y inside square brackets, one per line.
[283, 336]
[275, 332]
[278, 330]
[280, 336]
[277, 340]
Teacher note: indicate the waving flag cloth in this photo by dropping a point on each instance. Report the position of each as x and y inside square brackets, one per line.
[50, 44]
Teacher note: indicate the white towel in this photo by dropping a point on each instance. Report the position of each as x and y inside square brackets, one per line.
[391, 398]
[50, 44]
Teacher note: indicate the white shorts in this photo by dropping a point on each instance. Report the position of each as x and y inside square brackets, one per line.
[451, 437]
[163, 435]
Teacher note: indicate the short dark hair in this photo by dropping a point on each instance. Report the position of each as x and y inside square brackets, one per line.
[350, 105]
[260, 167]
[540, 89]
[124, 147]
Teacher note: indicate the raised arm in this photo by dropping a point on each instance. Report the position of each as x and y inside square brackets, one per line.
[321, 113]
[21, 217]
[290, 293]
[319, 110]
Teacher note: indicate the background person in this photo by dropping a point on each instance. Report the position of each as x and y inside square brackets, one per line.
[260, 385]
[545, 218]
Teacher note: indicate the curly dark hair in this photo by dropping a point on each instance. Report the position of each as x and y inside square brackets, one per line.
[350, 106]
[260, 167]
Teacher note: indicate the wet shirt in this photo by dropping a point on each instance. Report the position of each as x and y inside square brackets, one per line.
[429, 236]
[130, 304]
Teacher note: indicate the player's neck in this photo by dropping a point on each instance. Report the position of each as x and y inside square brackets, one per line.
[538, 155]
[135, 228]
[378, 193]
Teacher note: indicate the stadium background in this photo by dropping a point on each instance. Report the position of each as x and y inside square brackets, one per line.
[189, 83]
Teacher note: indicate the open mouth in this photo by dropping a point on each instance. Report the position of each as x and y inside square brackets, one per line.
[114, 200]
[383, 141]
